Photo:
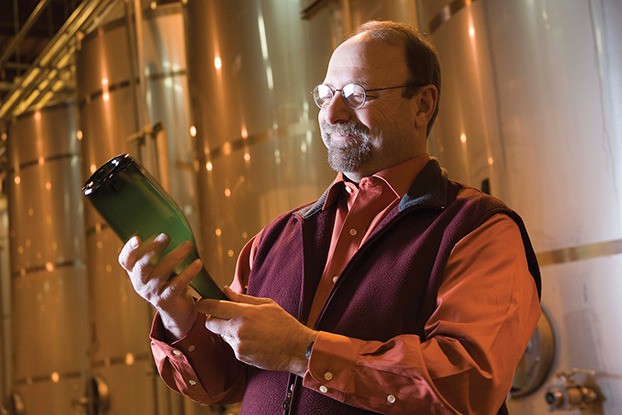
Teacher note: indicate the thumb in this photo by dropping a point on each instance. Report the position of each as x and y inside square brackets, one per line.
[243, 298]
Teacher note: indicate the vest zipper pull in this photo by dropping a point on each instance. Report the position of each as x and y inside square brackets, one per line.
[288, 398]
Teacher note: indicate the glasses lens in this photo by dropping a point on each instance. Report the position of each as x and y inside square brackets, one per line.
[354, 95]
[322, 94]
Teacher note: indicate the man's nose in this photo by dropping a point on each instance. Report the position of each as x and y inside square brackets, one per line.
[337, 110]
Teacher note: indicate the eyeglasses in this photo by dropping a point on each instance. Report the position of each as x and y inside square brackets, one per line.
[354, 95]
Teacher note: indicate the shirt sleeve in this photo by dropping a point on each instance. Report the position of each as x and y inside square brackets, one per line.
[200, 365]
[486, 311]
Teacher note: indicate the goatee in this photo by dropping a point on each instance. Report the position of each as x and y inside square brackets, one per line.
[351, 154]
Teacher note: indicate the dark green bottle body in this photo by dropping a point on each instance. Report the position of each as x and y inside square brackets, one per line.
[133, 203]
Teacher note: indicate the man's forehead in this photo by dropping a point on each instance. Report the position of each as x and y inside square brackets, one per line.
[370, 58]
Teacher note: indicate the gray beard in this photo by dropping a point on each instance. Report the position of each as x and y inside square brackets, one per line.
[353, 154]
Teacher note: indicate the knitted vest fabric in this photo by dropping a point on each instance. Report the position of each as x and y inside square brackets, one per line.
[388, 288]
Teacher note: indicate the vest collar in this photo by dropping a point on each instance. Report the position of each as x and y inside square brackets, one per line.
[428, 189]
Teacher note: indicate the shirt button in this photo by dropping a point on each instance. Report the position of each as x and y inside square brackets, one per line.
[191, 382]
[328, 376]
[335, 278]
[391, 399]
[176, 352]
[323, 389]
[191, 348]
[353, 232]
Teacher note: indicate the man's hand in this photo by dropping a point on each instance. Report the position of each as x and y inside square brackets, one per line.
[155, 281]
[259, 331]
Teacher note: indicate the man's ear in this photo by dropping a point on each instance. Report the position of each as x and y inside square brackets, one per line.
[426, 101]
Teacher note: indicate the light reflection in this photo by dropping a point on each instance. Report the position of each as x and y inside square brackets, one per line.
[130, 359]
[490, 161]
[55, 377]
[218, 232]
[226, 148]
[264, 50]
[230, 253]
[209, 166]
[218, 63]
[106, 94]
[247, 157]
[227, 192]
[463, 138]
[193, 131]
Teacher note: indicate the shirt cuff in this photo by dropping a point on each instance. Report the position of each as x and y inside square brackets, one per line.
[331, 366]
[175, 360]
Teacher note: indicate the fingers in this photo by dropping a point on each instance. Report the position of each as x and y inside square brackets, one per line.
[226, 310]
[135, 251]
[243, 298]
[180, 282]
[223, 310]
[128, 255]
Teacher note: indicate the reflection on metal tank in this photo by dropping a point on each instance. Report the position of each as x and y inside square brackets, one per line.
[146, 114]
[50, 330]
[531, 108]
[252, 69]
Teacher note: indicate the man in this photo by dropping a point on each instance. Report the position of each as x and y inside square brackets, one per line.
[398, 291]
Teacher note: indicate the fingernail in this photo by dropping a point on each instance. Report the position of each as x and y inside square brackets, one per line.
[161, 237]
[134, 242]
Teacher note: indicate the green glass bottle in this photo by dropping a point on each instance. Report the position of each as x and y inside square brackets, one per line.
[133, 203]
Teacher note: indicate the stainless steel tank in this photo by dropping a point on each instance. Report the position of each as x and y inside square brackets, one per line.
[133, 98]
[49, 309]
[531, 109]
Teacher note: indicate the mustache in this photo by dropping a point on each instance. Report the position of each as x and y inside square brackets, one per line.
[350, 128]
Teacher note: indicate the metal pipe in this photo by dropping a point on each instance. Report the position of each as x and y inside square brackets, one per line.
[34, 16]
[83, 19]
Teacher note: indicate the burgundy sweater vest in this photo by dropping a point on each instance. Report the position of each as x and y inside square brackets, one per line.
[387, 289]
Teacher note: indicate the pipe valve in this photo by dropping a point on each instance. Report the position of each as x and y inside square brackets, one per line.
[572, 392]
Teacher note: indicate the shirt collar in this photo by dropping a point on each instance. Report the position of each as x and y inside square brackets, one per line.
[398, 177]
